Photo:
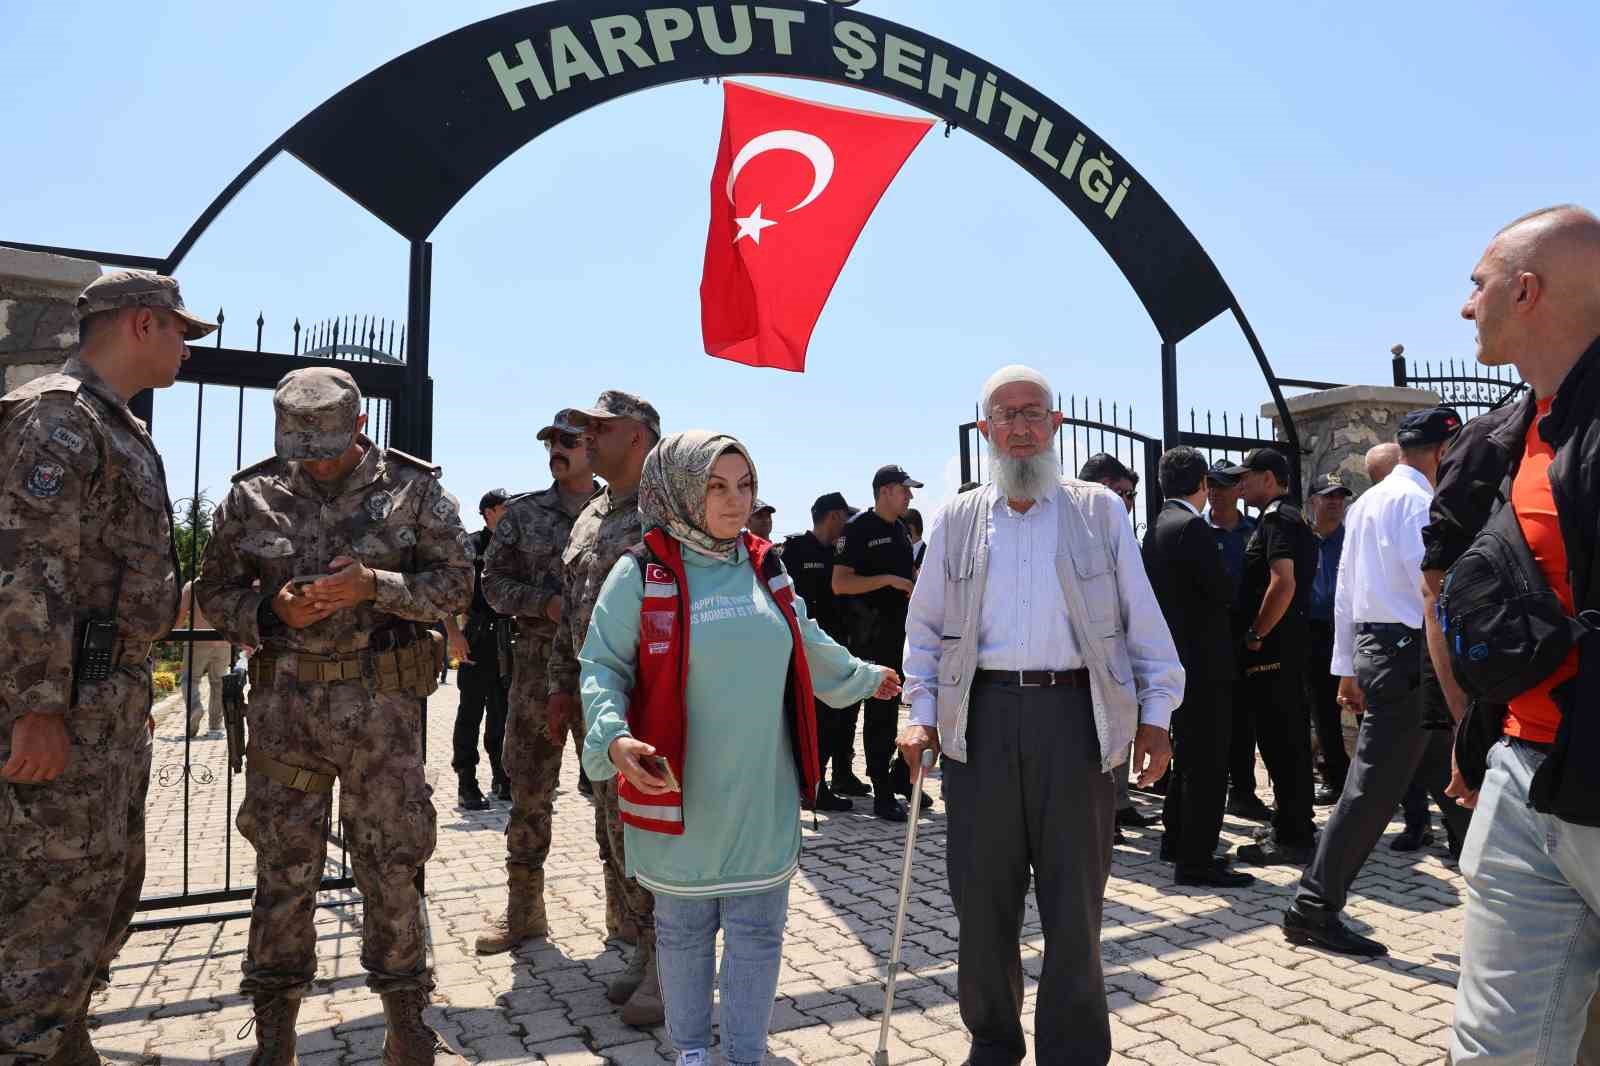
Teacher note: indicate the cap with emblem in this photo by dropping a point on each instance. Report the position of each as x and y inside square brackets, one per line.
[615, 404]
[893, 474]
[1221, 473]
[829, 502]
[140, 288]
[1259, 460]
[1432, 426]
[1330, 485]
[566, 420]
[490, 499]
[317, 410]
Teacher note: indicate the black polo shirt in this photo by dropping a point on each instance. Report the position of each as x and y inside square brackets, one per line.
[810, 566]
[1282, 533]
[870, 546]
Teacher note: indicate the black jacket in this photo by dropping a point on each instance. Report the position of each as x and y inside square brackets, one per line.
[1568, 784]
[1184, 563]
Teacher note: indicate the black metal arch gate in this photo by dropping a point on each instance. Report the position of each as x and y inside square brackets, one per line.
[445, 114]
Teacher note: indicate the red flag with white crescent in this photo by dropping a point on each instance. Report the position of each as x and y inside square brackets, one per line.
[794, 184]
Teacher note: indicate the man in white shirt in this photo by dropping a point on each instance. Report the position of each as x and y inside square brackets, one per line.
[1377, 654]
[1035, 654]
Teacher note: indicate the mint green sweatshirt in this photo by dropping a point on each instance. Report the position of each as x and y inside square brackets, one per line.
[741, 793]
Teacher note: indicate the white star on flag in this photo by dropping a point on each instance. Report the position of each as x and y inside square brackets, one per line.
[752, 225]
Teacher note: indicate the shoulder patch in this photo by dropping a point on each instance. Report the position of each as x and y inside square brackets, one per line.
[262, 467]
[411, 460]
[44, 480]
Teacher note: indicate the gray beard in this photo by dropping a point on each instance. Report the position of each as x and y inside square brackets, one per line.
[1024, 479]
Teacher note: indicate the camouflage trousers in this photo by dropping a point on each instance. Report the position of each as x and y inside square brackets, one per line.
[532, 760]
[71, 866]
[373, 745]
[637, 900]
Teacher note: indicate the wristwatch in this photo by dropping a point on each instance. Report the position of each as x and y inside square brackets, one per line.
[1252, 637]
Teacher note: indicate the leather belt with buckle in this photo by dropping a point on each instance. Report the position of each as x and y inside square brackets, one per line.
[1034, 678]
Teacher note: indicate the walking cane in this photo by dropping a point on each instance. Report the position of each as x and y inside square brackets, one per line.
[881, 1056]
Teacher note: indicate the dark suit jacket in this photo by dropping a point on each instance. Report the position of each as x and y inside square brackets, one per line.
[1184, 562]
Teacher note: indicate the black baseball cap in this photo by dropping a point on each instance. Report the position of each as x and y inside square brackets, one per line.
[761, 505]
[492, 498]
[893, 474]
[1330, 485]
[1222, 472]
[1432, 426]
[830, 502]
[1263, 460]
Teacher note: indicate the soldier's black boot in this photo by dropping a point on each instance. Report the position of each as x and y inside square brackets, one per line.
[469, 795]
[274, 1024]
[409, 1040]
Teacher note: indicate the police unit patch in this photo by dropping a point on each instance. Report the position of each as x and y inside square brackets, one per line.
[44, 480]
[69, 440]
[379, 504]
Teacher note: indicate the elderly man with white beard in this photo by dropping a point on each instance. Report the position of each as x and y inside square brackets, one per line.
[1035, 654]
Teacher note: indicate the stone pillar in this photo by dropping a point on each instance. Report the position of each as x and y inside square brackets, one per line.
[38, 325]
[1337, 426]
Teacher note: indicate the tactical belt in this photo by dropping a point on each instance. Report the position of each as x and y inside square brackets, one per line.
[407, 669]
[288, 776]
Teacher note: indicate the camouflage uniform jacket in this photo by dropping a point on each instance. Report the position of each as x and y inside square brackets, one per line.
[85, 532]
[522, 565]
[277, 522]
[604, 530]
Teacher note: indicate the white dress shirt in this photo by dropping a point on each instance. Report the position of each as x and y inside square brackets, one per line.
[1380, 572]
[1022, 624]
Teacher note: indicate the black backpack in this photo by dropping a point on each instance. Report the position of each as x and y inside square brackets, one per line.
[1505, 628]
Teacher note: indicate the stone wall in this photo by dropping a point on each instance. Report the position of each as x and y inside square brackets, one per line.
[1337, 426]
[38, 325]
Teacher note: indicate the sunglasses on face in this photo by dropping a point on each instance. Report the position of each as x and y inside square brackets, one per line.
[566, 440]
[1128, 494]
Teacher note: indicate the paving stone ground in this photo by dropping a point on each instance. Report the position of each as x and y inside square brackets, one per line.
[1193, 975]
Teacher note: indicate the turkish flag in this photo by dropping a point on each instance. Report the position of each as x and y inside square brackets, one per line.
[793, 185]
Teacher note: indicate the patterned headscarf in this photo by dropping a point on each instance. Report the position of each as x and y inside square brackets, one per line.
[672, 489]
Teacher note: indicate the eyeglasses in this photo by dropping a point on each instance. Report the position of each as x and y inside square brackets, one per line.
[566, 440]
[1032, 416]
[1128, 494]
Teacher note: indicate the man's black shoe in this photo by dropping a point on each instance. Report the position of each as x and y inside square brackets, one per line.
[850, 785]
[828, 801]
[1214, 876]
[1412, 840]
[470, 797]
[1165, 855]
[927, 804]
[1326, 796]
[1329, 933]
[502, 790]
[1249, 808]
[585, 786]
[1271, 853]
[889, 809]
[1130, 818]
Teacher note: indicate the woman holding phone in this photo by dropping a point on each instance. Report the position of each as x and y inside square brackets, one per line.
[697, 679]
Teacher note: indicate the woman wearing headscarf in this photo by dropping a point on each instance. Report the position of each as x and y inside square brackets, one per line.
[698, 673]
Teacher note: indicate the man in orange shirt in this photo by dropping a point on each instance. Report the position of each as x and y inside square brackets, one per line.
[1530, 956]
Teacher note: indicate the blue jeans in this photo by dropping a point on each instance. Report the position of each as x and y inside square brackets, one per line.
[752, 952]
[1530, 952]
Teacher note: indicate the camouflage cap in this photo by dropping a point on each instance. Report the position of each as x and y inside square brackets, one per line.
[614, 404]
[140, 288]
[317, 410]
[566, 420]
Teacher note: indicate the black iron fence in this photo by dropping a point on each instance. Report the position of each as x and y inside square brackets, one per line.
[205, 871]
[1468, 387]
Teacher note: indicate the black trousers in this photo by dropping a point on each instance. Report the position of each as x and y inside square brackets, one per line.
[1389, 751]
[481, 692]
[1273, 687]
[1242, 744]
[882, 716]
[1322, 691]
[833, 740]
[1031, 798]
[1198, 788]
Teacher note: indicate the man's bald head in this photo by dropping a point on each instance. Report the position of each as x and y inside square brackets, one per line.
[1381, 460]
[1536, 294]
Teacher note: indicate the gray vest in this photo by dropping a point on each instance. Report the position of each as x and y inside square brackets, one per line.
[1088, 539]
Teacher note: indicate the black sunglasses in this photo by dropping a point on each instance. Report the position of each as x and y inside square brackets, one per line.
[566, 440]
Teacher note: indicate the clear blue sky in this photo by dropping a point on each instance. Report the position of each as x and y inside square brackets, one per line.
[1344, 164]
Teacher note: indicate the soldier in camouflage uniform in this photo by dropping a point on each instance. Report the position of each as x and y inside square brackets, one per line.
[86, 551]
[354, 547]
[620, 430]
[522, 577]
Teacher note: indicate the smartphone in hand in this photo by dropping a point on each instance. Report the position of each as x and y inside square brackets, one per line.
[658, 765]
[300, 581]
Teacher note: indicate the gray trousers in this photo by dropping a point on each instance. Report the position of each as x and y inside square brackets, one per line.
[1389, 749]
[1030, 798]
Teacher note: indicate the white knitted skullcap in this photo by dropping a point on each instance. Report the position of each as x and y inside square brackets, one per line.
[1008, 374]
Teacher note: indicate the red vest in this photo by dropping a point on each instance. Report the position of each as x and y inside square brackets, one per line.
[656, 706]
